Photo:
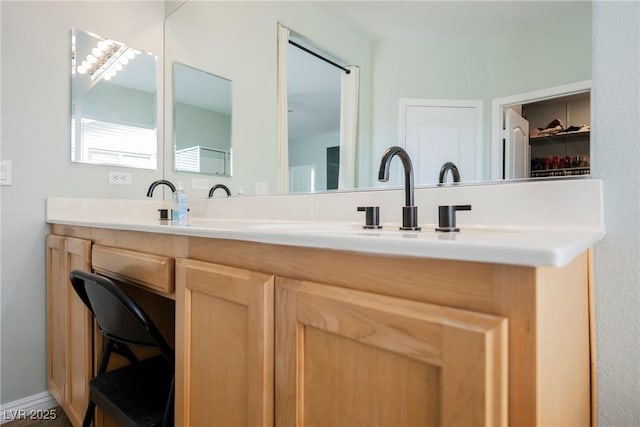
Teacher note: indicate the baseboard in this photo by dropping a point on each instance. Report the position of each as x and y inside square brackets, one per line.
[27, 407]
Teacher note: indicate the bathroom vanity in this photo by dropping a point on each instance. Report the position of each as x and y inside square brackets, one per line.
[306, 322]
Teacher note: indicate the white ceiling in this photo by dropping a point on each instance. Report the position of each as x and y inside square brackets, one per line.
[378, 19]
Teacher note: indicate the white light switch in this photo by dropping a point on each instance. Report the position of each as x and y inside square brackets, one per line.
[6, 172]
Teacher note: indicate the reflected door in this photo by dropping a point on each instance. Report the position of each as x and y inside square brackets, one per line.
[438, 131]
[516, 146]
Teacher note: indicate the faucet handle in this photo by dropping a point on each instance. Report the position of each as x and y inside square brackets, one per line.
[371, 216]
[164, 213]
[447, 217]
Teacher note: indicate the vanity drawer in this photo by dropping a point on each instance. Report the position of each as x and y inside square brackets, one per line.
[151, 271]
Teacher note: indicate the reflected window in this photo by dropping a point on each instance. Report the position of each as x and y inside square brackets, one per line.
[113, 108]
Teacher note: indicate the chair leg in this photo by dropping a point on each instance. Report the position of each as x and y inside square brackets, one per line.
[88, 416]
[168, 420]
[104, 362]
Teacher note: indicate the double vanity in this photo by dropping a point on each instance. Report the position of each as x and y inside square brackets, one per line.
[285, 311]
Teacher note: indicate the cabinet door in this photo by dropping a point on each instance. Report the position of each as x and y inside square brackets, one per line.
[224, 342]
[79, 330]
[69, 327]
[346, 357]
[56, 318]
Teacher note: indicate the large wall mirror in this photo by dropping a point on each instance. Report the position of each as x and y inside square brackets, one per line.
[113, 103]
[201, 121]
[426, 57]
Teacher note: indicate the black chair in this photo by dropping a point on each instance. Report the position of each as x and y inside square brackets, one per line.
[139, 394]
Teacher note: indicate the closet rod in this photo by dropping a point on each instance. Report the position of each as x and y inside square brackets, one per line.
[346, 70]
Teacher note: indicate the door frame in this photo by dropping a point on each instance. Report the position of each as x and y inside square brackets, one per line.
[497, 117]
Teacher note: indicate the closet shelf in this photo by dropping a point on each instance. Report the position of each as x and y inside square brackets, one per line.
[560, 137]
[561, 172]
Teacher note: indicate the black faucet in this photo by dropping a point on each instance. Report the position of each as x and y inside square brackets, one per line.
[409, 211]
[449, 166]
[154, 184]
[215, 187]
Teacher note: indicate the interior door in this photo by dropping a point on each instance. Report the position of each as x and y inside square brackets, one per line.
[438, 131]
[516, 146]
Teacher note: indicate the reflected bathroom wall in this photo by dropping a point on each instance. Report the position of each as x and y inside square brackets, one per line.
[432, 51]
[202, 111]
[238, 40]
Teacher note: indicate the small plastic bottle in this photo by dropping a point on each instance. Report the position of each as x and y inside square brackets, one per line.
[179, 211]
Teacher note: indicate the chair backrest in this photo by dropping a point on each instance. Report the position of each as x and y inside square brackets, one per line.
[118, 316]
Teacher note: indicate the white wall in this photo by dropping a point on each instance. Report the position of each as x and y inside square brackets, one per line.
[313, 150]
[616, 160]
[36, 65]
[433, 67]
[200, 126]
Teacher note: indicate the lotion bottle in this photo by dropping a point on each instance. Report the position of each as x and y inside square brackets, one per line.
[179, 211]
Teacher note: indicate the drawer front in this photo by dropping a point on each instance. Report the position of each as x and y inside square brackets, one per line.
[151, 271]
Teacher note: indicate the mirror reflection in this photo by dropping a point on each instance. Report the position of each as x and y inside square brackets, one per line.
[314, 119]
[201, 121]
[417, 61]
[113, 103]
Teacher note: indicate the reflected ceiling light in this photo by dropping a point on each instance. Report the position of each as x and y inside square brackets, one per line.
[115, 63]
[106, 59]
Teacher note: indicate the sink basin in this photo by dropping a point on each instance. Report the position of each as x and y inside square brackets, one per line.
[308, 226]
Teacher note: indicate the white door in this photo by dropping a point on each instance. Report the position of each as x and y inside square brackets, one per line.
[516, 146]
[438, 131]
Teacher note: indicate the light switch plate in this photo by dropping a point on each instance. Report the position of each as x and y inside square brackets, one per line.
[6, 172]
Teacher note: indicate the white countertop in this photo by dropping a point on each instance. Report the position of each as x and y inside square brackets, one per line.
[533, 241]
[531, 247]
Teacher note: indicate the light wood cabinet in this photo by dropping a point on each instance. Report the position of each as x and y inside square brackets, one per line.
[149, 271]
[224, 341]
[69, 329]
[280, 335]
[345, 357]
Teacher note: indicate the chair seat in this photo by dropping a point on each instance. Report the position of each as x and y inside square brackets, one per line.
[134, 395]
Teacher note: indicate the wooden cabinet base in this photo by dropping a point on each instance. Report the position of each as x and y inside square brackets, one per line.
[359, 339]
